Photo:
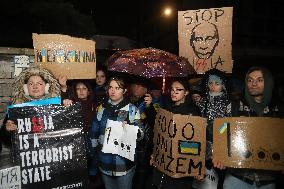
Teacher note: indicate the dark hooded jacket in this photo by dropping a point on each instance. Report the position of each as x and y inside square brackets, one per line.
[269, 107]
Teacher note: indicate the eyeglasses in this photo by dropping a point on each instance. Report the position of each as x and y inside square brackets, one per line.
[176, 90]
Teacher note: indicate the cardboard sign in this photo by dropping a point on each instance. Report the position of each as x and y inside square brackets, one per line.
[66, 55]
[120, 139]
[249, 142]
[179, 144]
[50, 146]
[205, 38]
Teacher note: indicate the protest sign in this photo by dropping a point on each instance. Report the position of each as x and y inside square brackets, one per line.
[10, 178]
[50, 146]
[179, 144]
[249, 142]
[120, 139]
[65, 55]
[205, 38]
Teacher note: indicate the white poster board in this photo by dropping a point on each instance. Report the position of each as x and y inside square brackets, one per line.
[120, 139]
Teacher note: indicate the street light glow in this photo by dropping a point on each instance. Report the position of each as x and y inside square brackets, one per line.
[168, 11]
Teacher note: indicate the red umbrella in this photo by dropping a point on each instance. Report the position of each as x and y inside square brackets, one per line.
[150, 62]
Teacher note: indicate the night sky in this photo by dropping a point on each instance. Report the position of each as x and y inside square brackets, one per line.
[139, 20]
[257, 25]
[84, 18]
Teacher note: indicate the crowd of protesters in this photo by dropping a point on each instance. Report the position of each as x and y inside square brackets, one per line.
[137, 103]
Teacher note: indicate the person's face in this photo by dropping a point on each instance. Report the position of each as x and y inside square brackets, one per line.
[178, 93]
[82, 91]
[115, 92]
[215, 86]
[205, 41]
[138, 90]
[100, 78]
[36, 87]
[156, 93]
[196, 97]
[255, 83]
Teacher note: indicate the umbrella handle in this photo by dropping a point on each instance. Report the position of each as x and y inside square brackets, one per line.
[164, 84]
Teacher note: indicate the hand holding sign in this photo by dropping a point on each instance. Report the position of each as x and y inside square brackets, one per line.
[218, 164]
[11, 126]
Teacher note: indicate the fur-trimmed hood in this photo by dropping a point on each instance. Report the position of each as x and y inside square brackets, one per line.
[18, 89]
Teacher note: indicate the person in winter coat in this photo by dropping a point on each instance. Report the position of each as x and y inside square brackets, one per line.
[34, 83]
[180, 104]
[140, 97]
[215, 104]
[257, 102]
[117, 172]
[196, 96]
[159, 100]
[100, 89]
[81, 91]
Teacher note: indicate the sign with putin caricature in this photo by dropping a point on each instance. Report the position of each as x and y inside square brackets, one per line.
[205, 38]
[179, 144]
[65, 55]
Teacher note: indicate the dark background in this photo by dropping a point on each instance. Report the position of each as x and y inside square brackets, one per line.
[258, 26]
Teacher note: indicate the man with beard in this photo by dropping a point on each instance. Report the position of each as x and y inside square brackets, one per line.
[257, 102]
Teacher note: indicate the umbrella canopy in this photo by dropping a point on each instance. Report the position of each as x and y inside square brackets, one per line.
[150, 62]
